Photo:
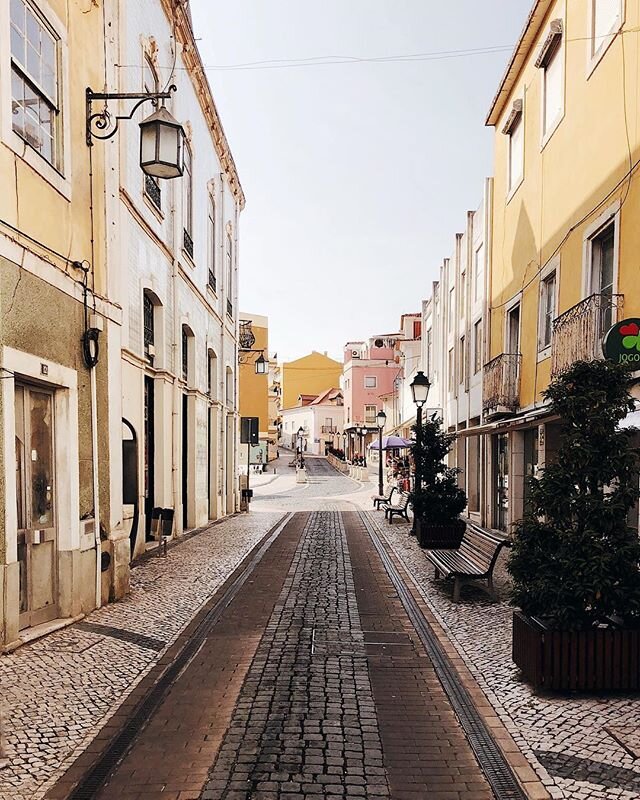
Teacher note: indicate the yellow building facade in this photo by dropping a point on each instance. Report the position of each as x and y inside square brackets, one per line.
[564, 241]
[311, 375]
[253, 388]
[54, 407]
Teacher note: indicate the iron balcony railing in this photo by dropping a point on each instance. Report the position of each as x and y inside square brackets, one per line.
[329, 429]
[187, 242]
[501, 383]
[577, 334]
[153, 192]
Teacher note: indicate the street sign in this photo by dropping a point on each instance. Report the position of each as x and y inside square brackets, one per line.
[250, 430]
[621, 343]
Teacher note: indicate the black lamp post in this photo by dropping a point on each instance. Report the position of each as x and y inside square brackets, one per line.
[344, 446]
[420, 386]
[381, 419]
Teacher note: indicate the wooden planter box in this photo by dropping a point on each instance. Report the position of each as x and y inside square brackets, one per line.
[576, 660]
[440, 537]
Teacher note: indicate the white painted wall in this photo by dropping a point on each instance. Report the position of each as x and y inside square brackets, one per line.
[146, 251]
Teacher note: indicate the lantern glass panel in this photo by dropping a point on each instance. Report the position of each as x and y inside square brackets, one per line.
[168, 150]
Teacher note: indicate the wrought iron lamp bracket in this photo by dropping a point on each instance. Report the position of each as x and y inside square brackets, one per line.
[102, 124]
[244, 355]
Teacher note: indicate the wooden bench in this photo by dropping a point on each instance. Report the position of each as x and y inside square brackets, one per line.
[379, 499]
[474, 560]
[399, 510]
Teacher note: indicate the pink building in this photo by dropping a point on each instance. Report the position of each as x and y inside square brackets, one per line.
[369, 372]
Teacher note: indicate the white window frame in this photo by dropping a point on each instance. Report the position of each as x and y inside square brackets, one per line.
[373, 378]
[478, 357]
[478, 290]
[212, 230]
[612, 214]
[552, 268]
[594, 56]
[370, 418]
[515, 118]
[58, 178]
[513, 303]
[556, 51]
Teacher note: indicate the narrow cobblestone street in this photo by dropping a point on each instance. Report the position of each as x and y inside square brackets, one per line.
[272, 656]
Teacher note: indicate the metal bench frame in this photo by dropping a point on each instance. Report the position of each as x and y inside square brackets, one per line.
[399, 510]
[474, 560]
[379, 499]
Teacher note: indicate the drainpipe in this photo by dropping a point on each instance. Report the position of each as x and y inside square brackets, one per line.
[222, 368]
[96, 492]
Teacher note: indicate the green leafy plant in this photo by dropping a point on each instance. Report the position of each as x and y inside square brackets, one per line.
[439, 500]
[575, 559]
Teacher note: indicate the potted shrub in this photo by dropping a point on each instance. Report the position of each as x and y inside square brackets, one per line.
[439, 503]
[575, 558]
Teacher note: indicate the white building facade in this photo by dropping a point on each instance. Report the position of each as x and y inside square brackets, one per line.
[176, 246]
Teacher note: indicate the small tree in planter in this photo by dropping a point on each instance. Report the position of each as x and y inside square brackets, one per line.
[575, 559]
[439, 503]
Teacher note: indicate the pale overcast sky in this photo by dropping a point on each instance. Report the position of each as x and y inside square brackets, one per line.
[357, 176]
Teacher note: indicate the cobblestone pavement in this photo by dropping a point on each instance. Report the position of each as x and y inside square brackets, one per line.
[582, 747]
[58, 692]
[305, 723]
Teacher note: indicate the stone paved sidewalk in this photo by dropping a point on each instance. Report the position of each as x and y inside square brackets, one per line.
[582, 747]
[58, 692]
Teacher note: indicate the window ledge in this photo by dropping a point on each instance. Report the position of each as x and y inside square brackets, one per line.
[212, 291]
[544, 354]
[39, 164]
[593, 59]
[188, 259]
[513, 191]
[554, 127]
[157, 212]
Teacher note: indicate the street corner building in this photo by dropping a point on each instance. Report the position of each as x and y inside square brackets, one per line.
[118, 304]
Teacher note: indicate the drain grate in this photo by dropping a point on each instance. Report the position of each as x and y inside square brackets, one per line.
[117, 749]
[499, 774]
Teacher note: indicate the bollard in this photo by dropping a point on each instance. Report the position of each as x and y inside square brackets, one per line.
[4, 760]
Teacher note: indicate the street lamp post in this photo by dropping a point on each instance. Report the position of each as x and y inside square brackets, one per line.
[420, 386]
[381, 419]
[344, 446]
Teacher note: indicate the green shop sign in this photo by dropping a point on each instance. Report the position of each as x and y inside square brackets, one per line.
[622, 342]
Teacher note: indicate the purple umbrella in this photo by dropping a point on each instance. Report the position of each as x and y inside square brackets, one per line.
[392, 443]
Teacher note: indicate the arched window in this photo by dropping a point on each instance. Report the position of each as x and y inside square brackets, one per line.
[187, 350]
[212, 375]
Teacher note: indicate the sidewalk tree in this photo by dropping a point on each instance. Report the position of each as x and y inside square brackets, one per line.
[440, 501]
[575, 558]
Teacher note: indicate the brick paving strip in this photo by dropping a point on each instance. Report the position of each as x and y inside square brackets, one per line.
[171, 754]
[305, 724]
[426, 752]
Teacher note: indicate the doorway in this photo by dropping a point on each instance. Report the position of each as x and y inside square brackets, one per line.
[185, 460]
[35, 493]
[501, 481]
[149, 454]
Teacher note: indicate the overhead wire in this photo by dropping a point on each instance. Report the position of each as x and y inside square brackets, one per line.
[337, 60]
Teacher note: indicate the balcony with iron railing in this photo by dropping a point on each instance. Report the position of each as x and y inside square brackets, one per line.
[329, 429]
[501, 384]
[187, 243]
[577, 333]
